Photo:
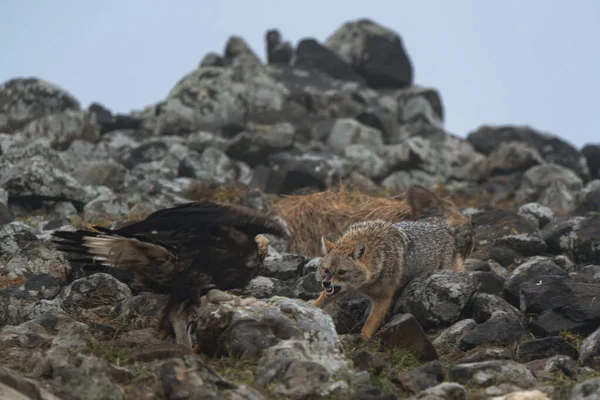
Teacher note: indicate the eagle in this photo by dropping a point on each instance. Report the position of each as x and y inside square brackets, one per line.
[182, 251]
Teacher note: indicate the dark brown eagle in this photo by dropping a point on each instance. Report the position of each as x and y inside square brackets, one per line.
[183, 251]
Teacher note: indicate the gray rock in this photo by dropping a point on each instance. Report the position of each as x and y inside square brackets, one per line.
[253, 146]
[61, 129]
[96, 290]
[486, 373]
[38, 179]
[589, 353]
[348, 131]
[213, 165]
[586, 390]
[25, 99]
[387, 64]
[536, 213]
[100, 173]
[437, 300]
[543, 183]
[38, 257]
[513, 157]
[451, 336]
[14, 236]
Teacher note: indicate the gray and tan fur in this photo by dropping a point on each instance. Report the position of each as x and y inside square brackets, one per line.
[378, 259]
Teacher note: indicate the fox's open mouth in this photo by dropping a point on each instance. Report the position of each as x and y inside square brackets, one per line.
[332, 290]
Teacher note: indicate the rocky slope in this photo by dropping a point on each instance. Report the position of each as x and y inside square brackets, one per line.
[524, 321]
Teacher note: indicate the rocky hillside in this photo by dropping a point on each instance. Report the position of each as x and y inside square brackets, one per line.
[523, 322]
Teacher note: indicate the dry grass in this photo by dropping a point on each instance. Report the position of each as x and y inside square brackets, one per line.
[6, 282]
[230, 194]
[330, 212]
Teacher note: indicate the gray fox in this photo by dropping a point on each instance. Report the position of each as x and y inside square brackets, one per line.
[379, 258]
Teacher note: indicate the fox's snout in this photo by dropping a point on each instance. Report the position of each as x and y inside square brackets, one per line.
[326, 283]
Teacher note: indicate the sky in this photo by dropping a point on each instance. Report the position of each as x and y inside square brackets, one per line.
[516, 62]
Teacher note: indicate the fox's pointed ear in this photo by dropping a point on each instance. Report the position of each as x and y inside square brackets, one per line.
[326, 245]
[359, 251]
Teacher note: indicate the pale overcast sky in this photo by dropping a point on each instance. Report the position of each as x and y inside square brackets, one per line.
[532, 62]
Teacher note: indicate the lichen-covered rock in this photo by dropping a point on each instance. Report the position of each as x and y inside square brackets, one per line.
[36, 179]
[38, 257]
[387, 64]
[96, 290]
[437, 300]
[246, 327]
[486, 373]
[62, 129]
[25, 99]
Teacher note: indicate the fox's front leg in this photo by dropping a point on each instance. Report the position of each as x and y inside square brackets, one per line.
[379, 309]
[322, 300]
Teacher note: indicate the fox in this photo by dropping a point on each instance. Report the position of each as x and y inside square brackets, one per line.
[378, 258]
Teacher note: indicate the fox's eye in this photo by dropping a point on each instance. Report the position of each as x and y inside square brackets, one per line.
[341, 272]
[326, 270]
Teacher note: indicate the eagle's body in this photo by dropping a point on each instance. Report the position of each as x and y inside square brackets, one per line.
[183, 251]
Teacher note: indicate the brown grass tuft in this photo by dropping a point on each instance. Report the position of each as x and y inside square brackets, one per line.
[330, 212]
[230, 194]
[6, 282]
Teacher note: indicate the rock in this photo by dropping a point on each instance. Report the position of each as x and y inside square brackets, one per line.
[487, 138]
[213, 165]
[38, 257]
[403, 331]
[589, 354]
[529, 270]
[16, 386]
[551, 185]
[559, 365]
[372, 393]
[536, 213]
[365, 361]
[387, 66]
[545, 348]
[278, 52]
[101, 173]
[62, 129]
[310, 54]
[305, 368]
[180, 381]
[247, 327]
[36, 179]
[26, 99]
[437, 300]
[451, 336]
[483, 374]
[253, 147]
[512, 157]
[505, 236]
[347, 131]
[446, 390]
[14, 236]
[591, 152]
[486, 354]
[96, 290]
[586, 390]
[560, 304]
[586, 245]
[288, 172]
[422, 378]
[500, 327]
[483, 305]
[589, 204]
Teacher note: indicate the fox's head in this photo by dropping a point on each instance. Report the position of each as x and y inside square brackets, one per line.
[342, 267]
